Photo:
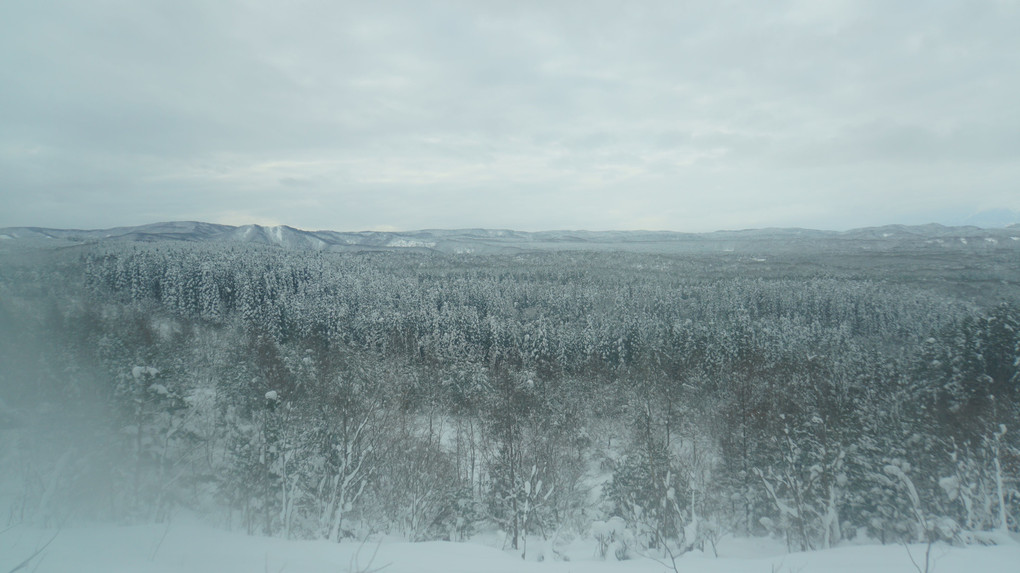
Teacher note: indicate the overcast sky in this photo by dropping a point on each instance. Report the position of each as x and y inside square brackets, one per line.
[688, 116]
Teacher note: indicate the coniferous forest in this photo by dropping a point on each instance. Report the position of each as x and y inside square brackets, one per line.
[656, 402]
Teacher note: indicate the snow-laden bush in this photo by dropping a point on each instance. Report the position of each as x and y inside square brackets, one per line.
[613, 538]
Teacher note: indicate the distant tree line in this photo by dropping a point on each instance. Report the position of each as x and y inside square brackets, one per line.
[648, 400]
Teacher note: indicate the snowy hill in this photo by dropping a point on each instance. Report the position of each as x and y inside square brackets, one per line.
[931, 237]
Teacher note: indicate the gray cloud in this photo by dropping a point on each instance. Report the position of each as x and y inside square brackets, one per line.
[686, 116]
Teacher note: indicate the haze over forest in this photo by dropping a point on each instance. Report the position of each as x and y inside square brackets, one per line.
[651, 393]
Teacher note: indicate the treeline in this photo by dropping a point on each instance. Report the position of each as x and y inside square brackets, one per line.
[655, 402]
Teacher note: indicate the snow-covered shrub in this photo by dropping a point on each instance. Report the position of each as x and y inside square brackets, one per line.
[612, 537]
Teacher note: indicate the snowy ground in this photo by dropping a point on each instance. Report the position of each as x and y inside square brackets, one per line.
[195, 548]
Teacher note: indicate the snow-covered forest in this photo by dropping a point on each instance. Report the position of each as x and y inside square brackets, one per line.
[656, 404]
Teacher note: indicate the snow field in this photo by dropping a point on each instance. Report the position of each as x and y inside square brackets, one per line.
[189, 546]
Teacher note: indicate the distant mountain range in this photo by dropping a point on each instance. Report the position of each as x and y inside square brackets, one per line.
[931, 237]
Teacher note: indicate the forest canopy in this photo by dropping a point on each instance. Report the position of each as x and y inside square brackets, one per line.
[658, 402]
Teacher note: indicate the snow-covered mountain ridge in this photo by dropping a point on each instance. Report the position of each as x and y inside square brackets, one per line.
[891, 237]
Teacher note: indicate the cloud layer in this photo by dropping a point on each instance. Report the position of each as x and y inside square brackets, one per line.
[688, 116]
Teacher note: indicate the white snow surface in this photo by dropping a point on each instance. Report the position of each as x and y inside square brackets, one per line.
[189, 546]
[410, 243]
